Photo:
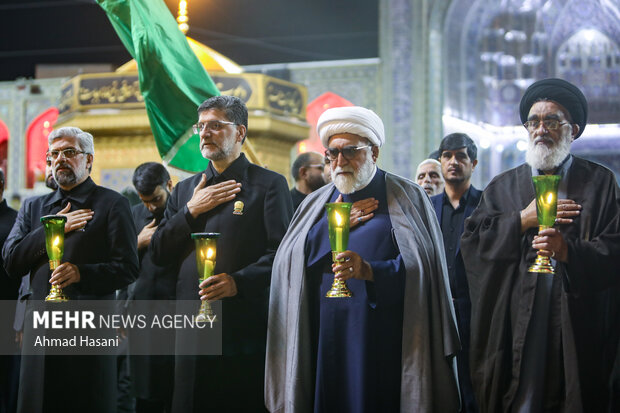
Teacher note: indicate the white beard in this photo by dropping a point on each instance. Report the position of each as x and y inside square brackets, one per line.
[546, 158]
[348, 184]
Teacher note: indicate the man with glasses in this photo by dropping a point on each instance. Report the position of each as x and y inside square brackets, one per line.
[389, 346]
[99, 258]
[544, 342]
[307, 171]
[251, 208]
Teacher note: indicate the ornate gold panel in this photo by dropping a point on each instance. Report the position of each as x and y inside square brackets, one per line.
[110, 107]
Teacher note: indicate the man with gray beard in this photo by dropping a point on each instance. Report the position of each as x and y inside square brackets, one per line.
[250, 207]
[100, 256]
[388, 347]
[544, 342]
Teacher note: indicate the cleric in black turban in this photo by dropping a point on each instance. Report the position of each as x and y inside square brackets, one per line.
[561, 92]
[543, 343]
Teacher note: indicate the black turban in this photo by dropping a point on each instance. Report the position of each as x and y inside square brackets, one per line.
[559, 91]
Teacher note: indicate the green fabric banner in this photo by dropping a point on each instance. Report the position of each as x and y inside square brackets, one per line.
[172, 79]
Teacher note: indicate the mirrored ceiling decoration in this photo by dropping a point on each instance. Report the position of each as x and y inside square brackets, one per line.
[494, 50]
[503, 49]
[591, 59]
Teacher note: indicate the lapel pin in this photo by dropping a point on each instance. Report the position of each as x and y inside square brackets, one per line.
[238, 208]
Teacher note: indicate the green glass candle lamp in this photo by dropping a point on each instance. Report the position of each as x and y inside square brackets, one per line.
[338, 215]
[54, 226]
[206, 252]
[546, 209]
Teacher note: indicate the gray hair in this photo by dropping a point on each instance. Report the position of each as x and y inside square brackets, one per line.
[85, 139]
[431, 161]
[232, 106]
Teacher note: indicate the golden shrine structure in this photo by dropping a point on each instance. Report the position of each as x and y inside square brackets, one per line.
[111, 107]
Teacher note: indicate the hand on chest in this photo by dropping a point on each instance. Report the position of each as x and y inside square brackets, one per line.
[240, 215]
[87, 233]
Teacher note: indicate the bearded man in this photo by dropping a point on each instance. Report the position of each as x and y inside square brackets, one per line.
[100, 257]
[388, 347]
[251, 207]
[543, 342]
[307, 171]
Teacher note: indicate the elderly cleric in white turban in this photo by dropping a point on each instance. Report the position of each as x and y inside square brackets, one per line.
[351, 119]
[395, 268]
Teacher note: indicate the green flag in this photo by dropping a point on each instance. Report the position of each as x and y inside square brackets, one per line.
[172, 79]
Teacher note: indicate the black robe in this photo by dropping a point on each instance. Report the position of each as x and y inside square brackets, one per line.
[358, 339]
[105, 253]
[429, 335]
[584, 309]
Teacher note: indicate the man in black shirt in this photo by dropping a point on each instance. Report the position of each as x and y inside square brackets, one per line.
[307, 171]
[458, 200]
[152, 376]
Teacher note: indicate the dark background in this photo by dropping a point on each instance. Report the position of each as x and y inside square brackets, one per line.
[247, 31]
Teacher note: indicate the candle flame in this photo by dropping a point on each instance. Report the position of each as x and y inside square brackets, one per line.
[56, 241]
[210, 253]
[550, 197]
[338, 219]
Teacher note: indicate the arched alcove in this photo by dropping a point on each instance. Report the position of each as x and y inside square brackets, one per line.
[591, 59]
[493, 50]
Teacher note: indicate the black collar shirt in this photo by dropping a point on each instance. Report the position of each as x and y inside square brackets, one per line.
[451, 223]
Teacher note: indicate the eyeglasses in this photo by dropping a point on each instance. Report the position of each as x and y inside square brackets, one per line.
[549, 124]
[347, 152]
[212, 125]
[67, 153]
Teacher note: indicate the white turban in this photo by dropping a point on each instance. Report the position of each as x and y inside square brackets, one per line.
[351, 119]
